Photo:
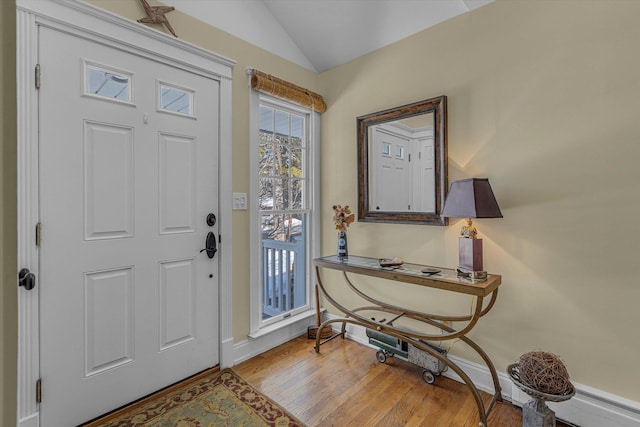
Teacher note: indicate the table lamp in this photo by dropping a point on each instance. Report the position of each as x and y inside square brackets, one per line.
[471, 198]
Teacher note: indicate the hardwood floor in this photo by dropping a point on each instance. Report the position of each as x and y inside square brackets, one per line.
[344, 385]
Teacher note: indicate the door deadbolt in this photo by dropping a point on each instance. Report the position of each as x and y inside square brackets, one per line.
[211, 219]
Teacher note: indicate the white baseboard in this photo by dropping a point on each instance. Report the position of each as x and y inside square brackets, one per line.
[251, 347]
[32, 420]
[226, 353]
[588, 408]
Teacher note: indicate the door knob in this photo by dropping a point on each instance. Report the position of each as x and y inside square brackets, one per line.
[210, 245]
[27, 279]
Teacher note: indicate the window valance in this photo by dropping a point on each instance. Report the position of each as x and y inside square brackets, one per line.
[282, 89]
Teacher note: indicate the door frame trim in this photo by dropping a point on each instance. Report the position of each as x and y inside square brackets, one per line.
[92, 23]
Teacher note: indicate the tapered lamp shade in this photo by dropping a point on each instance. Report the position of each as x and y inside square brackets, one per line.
[471, 198]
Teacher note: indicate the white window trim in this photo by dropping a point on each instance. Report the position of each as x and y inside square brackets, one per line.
[257, 327]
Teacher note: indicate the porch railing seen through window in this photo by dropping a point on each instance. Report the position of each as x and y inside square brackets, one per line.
[284, 286]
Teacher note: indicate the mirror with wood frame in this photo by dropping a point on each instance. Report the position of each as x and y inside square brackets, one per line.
[402, 163]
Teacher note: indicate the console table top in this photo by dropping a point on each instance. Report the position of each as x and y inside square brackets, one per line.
[447, 279]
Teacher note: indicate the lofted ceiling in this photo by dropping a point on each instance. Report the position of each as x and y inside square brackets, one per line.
[322, 34]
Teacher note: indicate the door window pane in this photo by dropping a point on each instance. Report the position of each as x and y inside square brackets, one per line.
[175, 99]
[386, 149]
[107, 83]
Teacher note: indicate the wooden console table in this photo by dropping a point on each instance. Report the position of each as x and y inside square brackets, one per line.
[447, 280]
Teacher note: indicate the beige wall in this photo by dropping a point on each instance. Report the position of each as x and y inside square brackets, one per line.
[543, 100]
[8, 225]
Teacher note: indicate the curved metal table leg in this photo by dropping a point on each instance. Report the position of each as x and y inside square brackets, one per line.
[472, 387]
[497, 394]
[326, 323]
[414, 338]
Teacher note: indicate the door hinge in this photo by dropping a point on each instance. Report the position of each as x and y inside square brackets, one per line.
[37, 76]
[219, 238]
[38, 234]
[39, 390]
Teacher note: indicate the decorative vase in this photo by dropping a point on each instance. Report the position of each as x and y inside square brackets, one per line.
[343, 249]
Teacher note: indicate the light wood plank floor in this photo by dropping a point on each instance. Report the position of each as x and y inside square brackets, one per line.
[344, 385]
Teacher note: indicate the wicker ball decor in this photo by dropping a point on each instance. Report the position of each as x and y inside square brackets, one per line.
[544, 372]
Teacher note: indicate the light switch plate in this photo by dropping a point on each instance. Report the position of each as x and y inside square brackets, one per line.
[239, 201]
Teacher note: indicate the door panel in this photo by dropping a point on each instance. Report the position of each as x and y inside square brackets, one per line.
[177, 184]
[108, 313]
[128, 304]
[109, 183]
[177, 302]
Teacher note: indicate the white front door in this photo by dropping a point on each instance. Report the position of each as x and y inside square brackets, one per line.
[128, 175]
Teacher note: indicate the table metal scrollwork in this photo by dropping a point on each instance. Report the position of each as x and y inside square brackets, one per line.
[446, 280]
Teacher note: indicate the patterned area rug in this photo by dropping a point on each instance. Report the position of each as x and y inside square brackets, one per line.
[219, 399]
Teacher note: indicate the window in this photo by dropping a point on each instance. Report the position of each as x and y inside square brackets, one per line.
[386, 149]
[174, 99]
[283, 175]
[104, 82]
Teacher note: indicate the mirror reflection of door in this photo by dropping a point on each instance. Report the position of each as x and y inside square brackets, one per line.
[402, 170]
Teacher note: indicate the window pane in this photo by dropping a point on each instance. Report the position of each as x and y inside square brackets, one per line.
[283, 227]
[175, 99]
[297, 193]
[265, 194]
[266, 119]
[266, 159]
[281, 139]
[282, 123]
[297, 128]
[280, 161]
[284, 285]
[386, 149]
[297, 226]
[267, 226]
[108, 84]
[285, 165]
[281, 194]
[296, 162]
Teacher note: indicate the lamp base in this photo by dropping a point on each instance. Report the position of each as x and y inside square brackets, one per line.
[470, 254]
[474, 276]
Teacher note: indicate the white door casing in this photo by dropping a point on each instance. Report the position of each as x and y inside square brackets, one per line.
[82, 21]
